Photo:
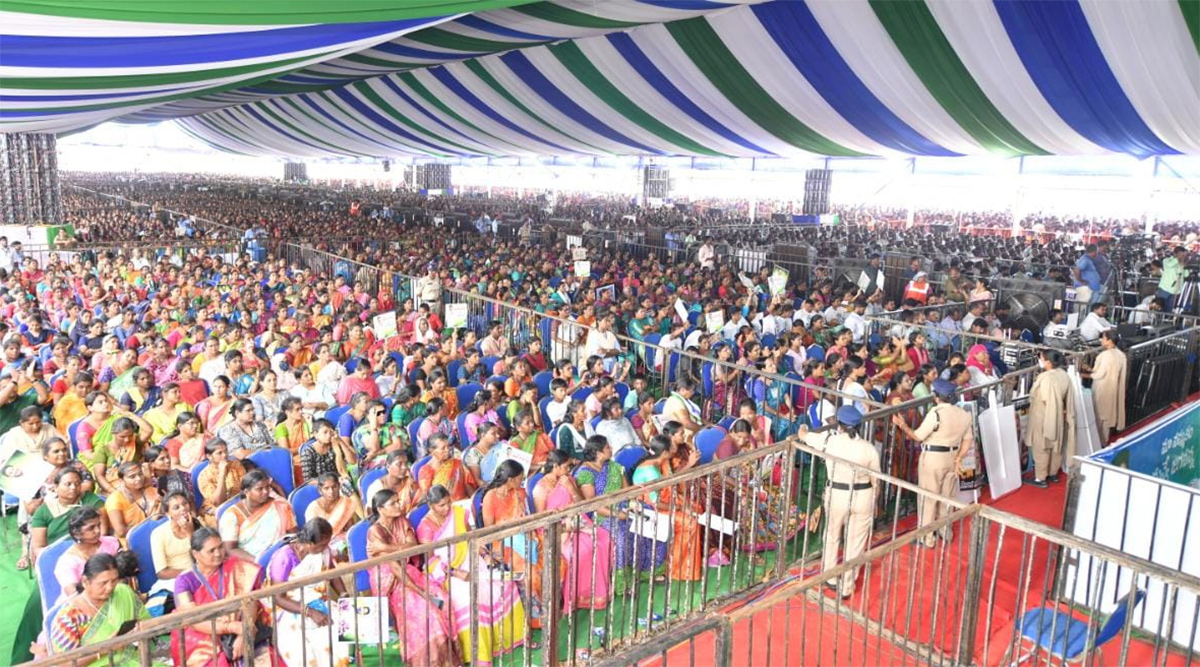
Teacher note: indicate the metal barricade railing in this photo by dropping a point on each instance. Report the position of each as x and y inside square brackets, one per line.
[1162, 371]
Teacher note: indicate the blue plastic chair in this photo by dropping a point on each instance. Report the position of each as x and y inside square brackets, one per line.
[452, 371]
[277, 462]
[629, 457]
[707, 441]
[464, 438]
[596, 421]
[414, 427]
[264, 559]
[706, 379]
[46, 581]
[356, 539]
[658, 407]
[351, 364]
[421, 463]
[226, 505]
[502, 379]
[335, 413]
[530, 483]
[488, 364]
[581, 394]
[196, 470]
[477, 506]
[139, 544]
[542, 405]
[418, 513]
[466, 393]
[622, 390]
[727, 421]
[814, 415]
[543, 380]
[388, 402]
[554, 434]
[72, 430]
[816, 352]
[364, 483]
[302, 497]
[1066, 637]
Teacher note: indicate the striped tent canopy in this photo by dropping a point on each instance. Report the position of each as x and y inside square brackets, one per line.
[599, 77]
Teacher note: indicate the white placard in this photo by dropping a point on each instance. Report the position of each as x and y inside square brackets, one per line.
[583, 269]
[1087, 435]
[778, 280]
[681, 310]
[651, 525]
[1001, 448]
[579, 253]
[31, 473]
[360, 620]
[717, 523]
[864, 281]
[714, 320]
[384, 325]
[511, 453]
[456, 315]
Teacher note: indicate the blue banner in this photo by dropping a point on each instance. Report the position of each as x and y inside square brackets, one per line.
[1168, 449]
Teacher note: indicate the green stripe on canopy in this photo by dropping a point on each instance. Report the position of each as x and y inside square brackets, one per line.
[145, 80]
[570, 55]
[702, 44]
[411, 81]
[365, 89]
[916, 33]
[444, 39]
[1191, 16]
[254, 12]
[558, 14]
[486, 76]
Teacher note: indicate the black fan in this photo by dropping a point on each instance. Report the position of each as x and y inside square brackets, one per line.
[1027, 311]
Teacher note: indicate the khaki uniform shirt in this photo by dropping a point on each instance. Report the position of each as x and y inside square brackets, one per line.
[946, 426]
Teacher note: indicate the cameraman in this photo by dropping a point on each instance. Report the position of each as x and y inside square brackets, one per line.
[1173, 273]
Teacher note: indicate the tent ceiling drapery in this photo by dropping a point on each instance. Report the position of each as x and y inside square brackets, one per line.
[648, 77]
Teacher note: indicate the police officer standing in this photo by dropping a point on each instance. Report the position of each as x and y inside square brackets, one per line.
[850, 494]
[946, 436]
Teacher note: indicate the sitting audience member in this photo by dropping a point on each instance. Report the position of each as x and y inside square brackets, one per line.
[257, 521]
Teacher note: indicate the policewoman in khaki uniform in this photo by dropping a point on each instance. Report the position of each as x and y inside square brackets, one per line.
[850, 494]
[946, 435]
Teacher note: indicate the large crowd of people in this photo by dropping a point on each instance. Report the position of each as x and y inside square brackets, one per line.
[204, 389]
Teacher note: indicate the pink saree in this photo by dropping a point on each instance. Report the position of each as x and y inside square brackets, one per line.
[588, 550]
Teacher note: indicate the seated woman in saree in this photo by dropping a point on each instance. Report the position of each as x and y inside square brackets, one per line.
[162, 476]
[418, 604]
[760, 424]
[49, 523]
[398, 477]
[186, 443]
[103, 608]
[257, 521]
[571, 434]
[498, 603]
[600, 475]
[127, 436]
[219, 481]
[97, 424]
[680, 408]
[214, 410]
[131, 502]
[141, 395]
[446, 471]
[170, 543]
[505, 500]
[750, 494]
[684, 559]
[302, 614]
[220, 642]
[338, 510]
[55, 452]
[84, 526]
[586, 547]
[245, 434]
[530, 439]
[482, 457]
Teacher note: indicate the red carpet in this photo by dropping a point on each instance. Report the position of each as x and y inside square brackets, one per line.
[916, 593]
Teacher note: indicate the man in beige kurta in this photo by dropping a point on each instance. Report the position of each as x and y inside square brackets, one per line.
[1050, 435]
[1109, 375]
[850, 495]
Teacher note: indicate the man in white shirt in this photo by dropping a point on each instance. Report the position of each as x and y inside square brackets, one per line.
[1147, 311]
[603, 343]
[6, 255]
[706, 256]
[855, 322]
[805, 314]
[975, 312]
[734, 325]
[1095, 323]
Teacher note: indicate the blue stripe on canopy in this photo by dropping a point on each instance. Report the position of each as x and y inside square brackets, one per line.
[83, 97]
[487, 26]
[799, 36]
[1060, 53]
[641, 63]
[447, 79]
[164, 50]
[392, 48]
[538, 83]
[311, 102]
[382, 121]
[390, 82]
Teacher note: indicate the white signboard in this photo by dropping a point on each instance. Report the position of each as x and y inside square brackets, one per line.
[456, 315]
[360, 620]
[778, 281]
[1001, 448]
[384, 325]
[583, 269]
[714, 320]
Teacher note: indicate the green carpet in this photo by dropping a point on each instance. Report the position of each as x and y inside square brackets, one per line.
[14, 586]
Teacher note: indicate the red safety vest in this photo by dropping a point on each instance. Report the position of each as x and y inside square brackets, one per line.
[918, 293]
